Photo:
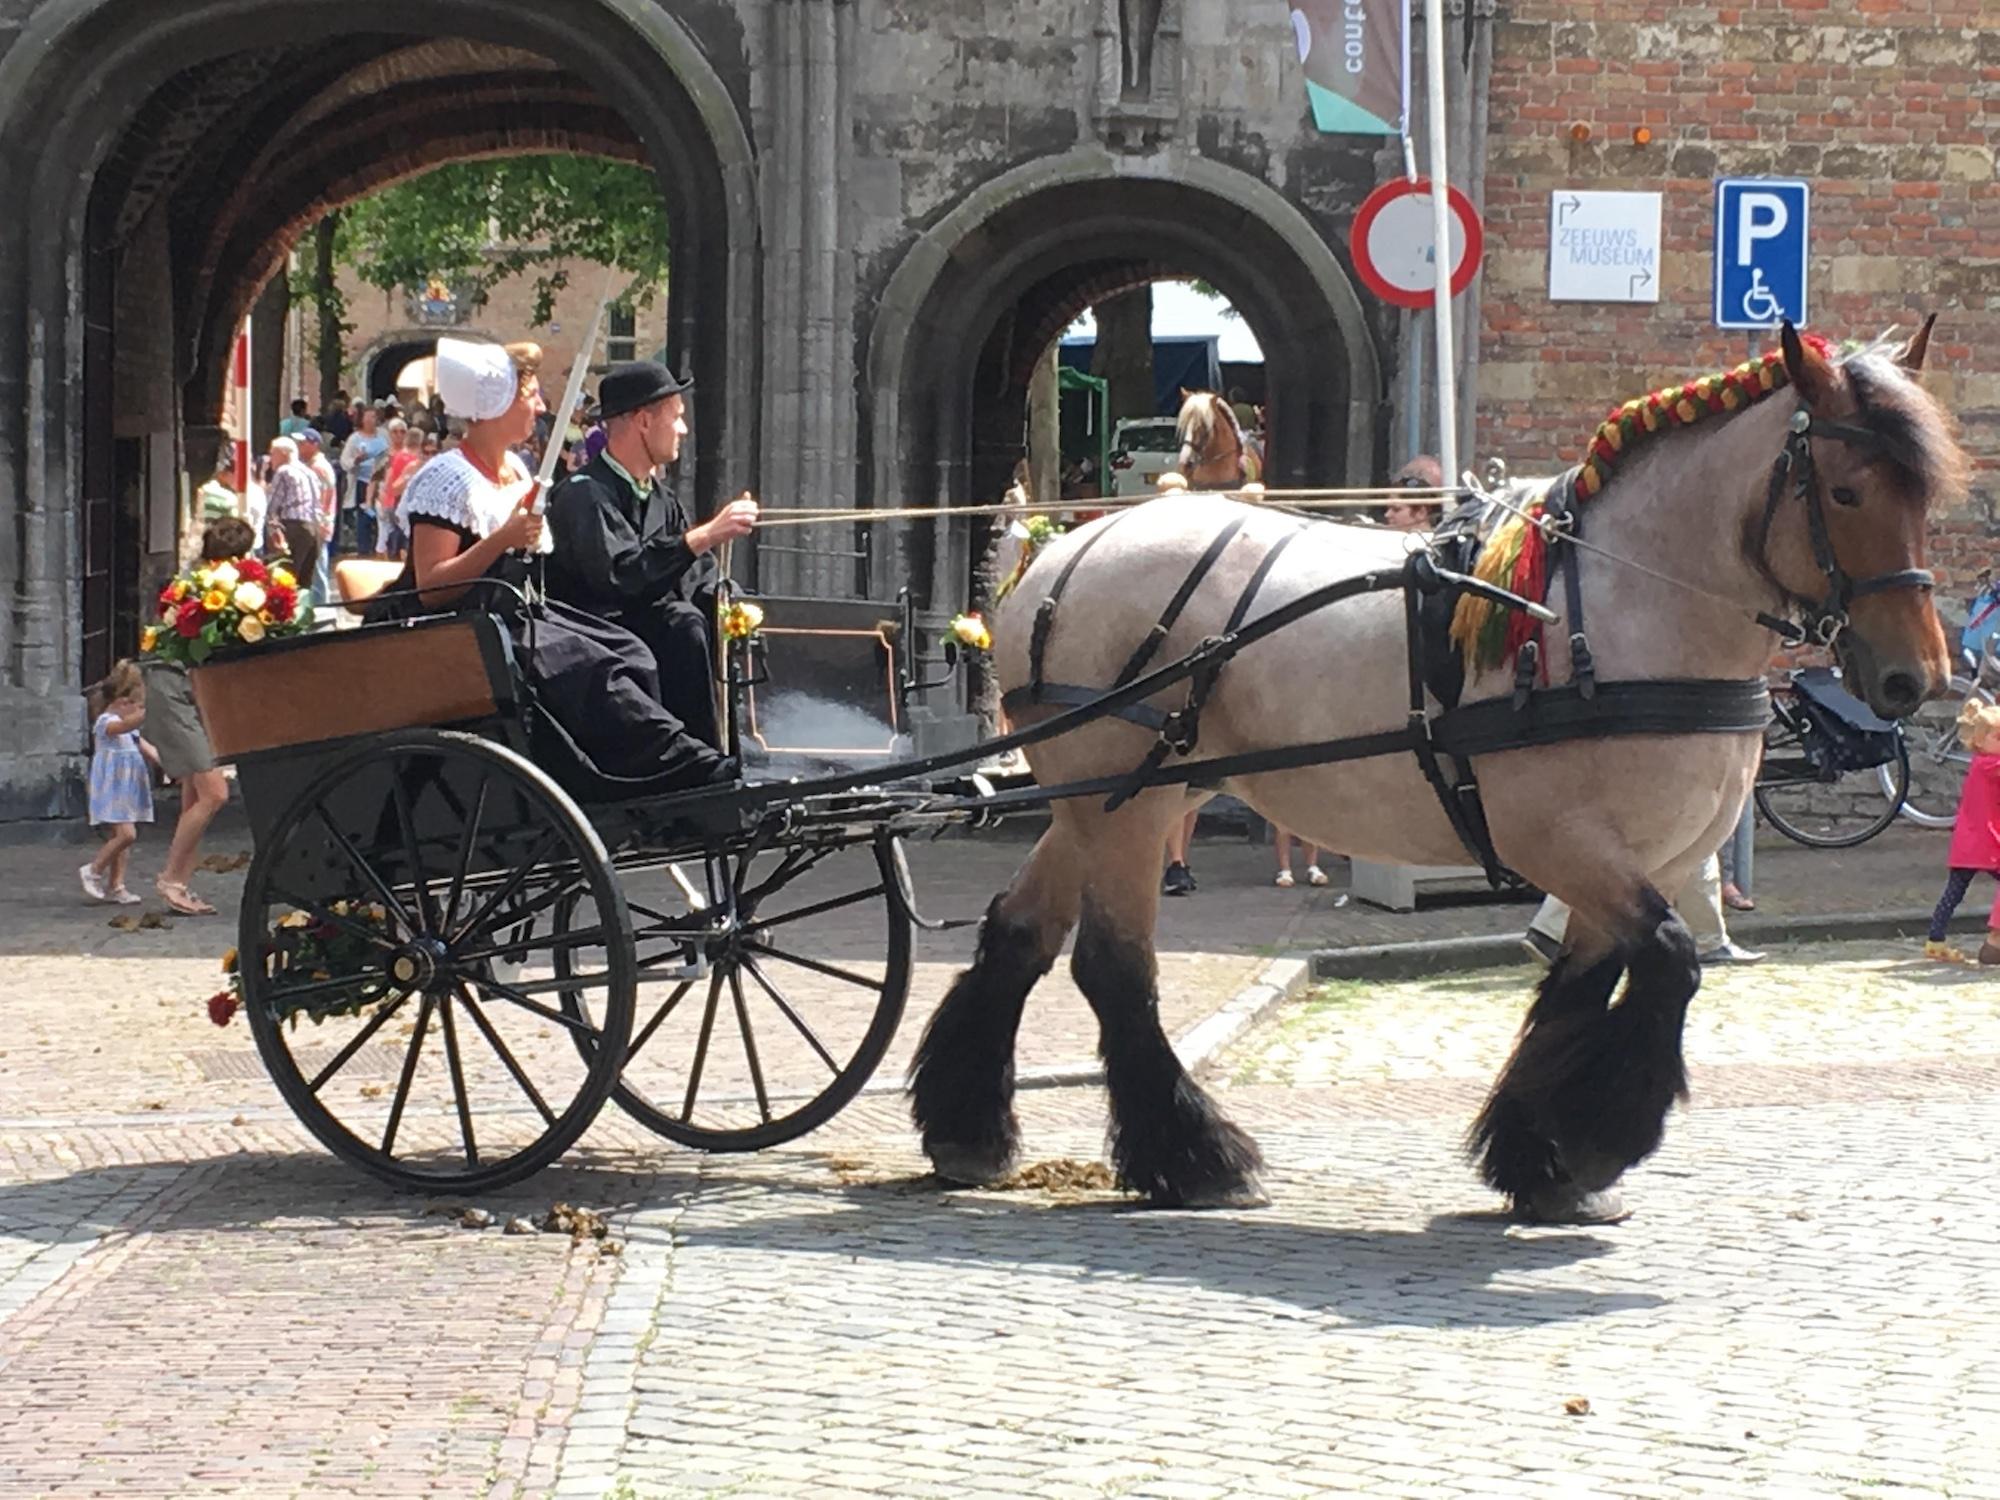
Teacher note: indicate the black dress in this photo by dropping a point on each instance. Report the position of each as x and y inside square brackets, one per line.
[626, 559]
[595, 679]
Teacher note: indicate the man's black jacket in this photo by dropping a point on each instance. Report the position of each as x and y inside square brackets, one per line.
[615, 552]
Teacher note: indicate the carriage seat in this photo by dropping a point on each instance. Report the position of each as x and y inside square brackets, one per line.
[360, 579]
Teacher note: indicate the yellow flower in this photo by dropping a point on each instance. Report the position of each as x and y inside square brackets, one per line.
[251, 629]
[249, 597]
[283, 578]
[742, 620]
[295, 919]
[229, 962]
[148, 637]
[203, 579]
[264, 617]
[181, 589]
[971, 632]
[215, 601]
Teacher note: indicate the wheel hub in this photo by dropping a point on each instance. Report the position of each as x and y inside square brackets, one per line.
[417, 964]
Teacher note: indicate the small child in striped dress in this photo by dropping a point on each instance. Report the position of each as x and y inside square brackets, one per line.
[121, 780]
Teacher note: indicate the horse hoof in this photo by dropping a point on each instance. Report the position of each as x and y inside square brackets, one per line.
[1558, 1204]
[1244, 1193]
[968, 1166]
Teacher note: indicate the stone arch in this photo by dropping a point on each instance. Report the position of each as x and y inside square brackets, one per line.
[1051, 232]
[73, 83]
[400, 347]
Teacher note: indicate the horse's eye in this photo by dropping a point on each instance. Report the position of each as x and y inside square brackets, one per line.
[1842, 495]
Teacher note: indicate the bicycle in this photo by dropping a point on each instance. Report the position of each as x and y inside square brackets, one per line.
[1833, 775]
[1938, 761]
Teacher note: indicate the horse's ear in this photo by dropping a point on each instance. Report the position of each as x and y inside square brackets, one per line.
[1812, 374]
[1911, 356]
[1186, 394]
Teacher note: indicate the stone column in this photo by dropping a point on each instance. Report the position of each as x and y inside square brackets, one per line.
[809, 416]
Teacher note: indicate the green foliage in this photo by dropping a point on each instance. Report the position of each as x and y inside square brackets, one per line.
[476, 223]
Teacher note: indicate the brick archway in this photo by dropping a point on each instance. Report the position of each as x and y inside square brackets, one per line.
[216, 128]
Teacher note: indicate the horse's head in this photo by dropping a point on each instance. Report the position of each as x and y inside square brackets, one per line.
[1211, 445]
[1868, 455]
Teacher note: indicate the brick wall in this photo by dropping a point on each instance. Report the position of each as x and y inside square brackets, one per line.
[1889, 108]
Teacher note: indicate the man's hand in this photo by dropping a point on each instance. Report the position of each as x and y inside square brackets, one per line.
[736, 519]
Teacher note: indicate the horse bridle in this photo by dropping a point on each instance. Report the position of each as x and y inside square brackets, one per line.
[1821, 622]
[1199, 460]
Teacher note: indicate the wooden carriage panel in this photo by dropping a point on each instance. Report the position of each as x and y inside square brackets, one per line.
[337, 684]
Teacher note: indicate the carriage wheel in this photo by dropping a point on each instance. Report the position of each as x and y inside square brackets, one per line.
[393, 978]
[770, 988]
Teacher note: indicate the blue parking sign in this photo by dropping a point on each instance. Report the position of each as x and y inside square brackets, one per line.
[1760, 251]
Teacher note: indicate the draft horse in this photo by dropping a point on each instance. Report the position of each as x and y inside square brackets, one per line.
[1802, 495]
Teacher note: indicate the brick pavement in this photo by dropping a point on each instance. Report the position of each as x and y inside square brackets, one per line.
[194, 1299]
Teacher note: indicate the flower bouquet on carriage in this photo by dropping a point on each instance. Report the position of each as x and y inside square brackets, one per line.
[333, 959]
[214, 606]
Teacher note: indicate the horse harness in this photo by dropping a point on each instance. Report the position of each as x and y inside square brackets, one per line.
[1583, 708]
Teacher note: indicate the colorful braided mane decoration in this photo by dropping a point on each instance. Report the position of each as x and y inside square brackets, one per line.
[1516, 556]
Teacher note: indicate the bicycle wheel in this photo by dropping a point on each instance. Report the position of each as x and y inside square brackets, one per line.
[1826, 810]
[1938, 761]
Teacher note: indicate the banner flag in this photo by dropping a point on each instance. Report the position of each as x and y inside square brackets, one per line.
[1357, 61]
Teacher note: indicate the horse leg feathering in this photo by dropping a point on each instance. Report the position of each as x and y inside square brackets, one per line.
[962, 1080]
[1586, 1093]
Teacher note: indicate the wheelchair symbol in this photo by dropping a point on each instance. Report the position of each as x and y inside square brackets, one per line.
[1759, 306]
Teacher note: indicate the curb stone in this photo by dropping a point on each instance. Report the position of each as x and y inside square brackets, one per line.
[1463, 955]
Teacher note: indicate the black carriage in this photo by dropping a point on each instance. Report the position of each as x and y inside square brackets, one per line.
[459, 939]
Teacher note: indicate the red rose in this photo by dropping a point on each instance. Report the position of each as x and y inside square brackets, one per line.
[222, 1006]
[189, 619]
[281, 602]
[168, 599]
[250, 570]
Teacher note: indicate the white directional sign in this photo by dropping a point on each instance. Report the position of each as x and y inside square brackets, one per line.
[1604, 247]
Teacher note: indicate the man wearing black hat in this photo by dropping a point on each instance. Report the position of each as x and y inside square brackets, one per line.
[624, 548]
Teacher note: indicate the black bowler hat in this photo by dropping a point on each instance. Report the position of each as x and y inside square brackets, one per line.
[627, 387]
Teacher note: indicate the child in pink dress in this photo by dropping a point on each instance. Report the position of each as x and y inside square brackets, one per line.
[1975, 835]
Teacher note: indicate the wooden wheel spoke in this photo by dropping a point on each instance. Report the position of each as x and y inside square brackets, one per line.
[557, 986]
[518, 997]
[409, 1072]
[356, 1043]
[506, 1056]
[533, 907]
[387, 897]
[831, 971]
[407, 826]
[457, 1067]
[666, 1009]
[513, 883]
[786, 1009]
[281, 995]
[701, 1046]
[749, 1045]
[795, 863]
[463, 865]
[817, 909]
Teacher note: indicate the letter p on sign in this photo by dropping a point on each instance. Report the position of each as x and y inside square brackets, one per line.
[1759, 216]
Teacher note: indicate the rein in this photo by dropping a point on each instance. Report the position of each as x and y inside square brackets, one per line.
[1821, 621]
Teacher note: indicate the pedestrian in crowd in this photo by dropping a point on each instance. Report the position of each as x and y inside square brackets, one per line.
[1283, 838]
[366, 447]
[405, 454]
[433, 445]
[336, 423]
[292, 520]
[297, 422]
[313, 456]
[1738, 862]
[121, 786]
[174, 727]
[1699, 905]
[217, 497]
[1421, 473]
[1975, 833]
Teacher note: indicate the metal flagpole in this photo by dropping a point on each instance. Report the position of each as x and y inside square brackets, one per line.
[1447, 369]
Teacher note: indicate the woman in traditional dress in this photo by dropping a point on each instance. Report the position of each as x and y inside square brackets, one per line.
[469, 516]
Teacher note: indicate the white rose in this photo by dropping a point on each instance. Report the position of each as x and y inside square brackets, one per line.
[249, 597]
[223, 575]
[251, 629]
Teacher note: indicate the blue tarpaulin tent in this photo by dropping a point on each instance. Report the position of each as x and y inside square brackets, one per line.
[1188, 361]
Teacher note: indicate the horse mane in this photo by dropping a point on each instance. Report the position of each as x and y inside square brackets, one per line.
[1915, 432]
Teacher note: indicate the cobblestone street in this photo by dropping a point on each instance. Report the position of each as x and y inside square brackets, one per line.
[195, 1299]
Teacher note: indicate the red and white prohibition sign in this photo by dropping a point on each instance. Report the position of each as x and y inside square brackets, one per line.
[1392, 240]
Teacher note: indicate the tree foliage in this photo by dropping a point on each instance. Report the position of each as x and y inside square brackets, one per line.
[475, 224]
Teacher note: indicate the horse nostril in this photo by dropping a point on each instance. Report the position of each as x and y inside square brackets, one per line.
[1901, 692]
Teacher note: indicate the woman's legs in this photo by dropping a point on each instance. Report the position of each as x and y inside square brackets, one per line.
[202, 796]
[1739, 861]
